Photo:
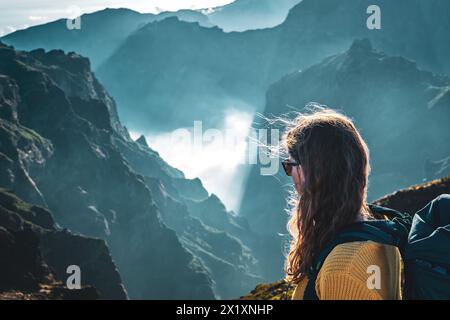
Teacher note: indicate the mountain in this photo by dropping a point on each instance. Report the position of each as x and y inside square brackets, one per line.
[401, 110]
[34, 257]
[197, 73]
[193, 73]
[100, 34]
[57, 135]
[173, 64]
[241, 15]
[222, 241]
[409, 200]
[63, 147]
[415, 29]
[376, 90]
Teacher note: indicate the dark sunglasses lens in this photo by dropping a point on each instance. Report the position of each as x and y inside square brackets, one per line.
[287, 168]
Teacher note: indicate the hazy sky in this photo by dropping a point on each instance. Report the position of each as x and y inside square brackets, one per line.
[20, 14]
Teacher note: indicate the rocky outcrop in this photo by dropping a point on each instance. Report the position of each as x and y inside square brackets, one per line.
[35, 255]
[414, 198]
[280, 290]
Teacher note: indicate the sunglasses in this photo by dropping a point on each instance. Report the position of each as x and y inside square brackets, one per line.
[288, 165]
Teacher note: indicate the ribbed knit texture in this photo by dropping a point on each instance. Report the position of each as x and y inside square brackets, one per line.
[344, 273]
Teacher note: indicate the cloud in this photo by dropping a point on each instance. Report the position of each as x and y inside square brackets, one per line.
[8, 29]
[37, 18]
[219, 160]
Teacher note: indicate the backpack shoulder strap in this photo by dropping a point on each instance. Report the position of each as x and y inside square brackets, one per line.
[376, 231]
[404, 219]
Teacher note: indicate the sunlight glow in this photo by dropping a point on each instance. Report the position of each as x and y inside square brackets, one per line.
[219, 160]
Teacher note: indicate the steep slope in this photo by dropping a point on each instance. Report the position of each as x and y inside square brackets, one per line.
[222, 241]
[402, 113]
[100, 34]
[99, 182]
[34, 257]
[85, 181]
[408, 200]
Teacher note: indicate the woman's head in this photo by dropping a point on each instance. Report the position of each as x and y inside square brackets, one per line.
[330, 169]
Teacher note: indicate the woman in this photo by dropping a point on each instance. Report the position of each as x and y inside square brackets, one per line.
[329, 165]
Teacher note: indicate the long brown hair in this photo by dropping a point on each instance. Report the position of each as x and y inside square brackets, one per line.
[335, 162]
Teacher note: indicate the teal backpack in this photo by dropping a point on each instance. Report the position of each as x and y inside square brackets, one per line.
[423, 241]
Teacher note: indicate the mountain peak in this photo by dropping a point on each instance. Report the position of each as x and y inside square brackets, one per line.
[71, 61]
[142, 141]
[361, 46]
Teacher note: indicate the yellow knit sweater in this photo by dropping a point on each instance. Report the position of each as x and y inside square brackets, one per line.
[345, 273]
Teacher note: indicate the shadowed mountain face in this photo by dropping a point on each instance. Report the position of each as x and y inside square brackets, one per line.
[409, 200]
[100, 33]
[400, 110]
[62, 146]
[244, 15]
[35, 255]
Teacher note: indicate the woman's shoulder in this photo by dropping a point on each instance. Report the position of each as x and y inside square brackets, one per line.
[354, 262]
[356, 257]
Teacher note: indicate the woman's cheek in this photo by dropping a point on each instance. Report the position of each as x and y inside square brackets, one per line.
[297, 179]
